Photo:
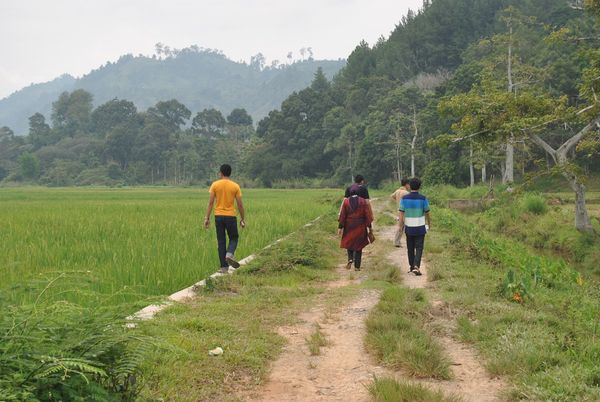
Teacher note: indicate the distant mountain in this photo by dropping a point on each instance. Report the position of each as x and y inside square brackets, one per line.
[199, 79]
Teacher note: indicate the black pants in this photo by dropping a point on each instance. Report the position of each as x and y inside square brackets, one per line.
[414, 245]
[226, 224]
[356, 256]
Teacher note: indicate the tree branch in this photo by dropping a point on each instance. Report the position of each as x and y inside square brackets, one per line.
[469, 136]
[571, 142]
[539, 141]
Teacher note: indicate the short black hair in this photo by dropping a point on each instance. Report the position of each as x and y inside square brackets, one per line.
[404, 181]
[225, 169]
[358, 179]
[415, 183]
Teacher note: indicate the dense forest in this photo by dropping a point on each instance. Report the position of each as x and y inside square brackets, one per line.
[462, 91]
[199, 78]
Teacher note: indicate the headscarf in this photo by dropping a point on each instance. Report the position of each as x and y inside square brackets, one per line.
[353, 200]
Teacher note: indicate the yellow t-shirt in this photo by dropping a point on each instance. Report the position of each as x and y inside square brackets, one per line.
[225, 191]
[398, 194]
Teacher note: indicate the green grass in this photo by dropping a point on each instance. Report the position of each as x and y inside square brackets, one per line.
[316, 341]
[131, 243]
[549, 230]
[240, 315]
[534, 204]
[391, 390]
[396, 337]
[549, 345]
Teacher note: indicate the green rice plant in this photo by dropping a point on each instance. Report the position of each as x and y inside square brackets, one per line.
[131, 243]
[391, 390]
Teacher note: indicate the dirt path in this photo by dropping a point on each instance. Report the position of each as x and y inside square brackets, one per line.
[470, 380]
[343, 369]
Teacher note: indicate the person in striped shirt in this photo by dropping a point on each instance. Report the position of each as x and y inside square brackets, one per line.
[414, 219]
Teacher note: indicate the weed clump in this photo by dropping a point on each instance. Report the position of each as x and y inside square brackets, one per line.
[394, 334]
[316, 341]
[389, 389]
[534, 204]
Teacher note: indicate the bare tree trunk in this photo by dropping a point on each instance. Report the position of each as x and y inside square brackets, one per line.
[350, 160]
[471, 168]
[413, 143]
[484, 173]
[398, 163]
[509, 163]
[582, 218]
[508, 176]
[548, 162]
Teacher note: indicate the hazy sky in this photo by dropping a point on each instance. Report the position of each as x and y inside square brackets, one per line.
[42, 39]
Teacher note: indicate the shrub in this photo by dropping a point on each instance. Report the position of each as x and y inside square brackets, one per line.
[439, 172]
[61, 351]
[534, 203]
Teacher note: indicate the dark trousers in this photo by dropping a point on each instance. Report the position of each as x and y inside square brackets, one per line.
[226, 224]
[414, 245]
[356, 256]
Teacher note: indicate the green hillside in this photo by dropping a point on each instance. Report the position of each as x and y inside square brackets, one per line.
[198, 78]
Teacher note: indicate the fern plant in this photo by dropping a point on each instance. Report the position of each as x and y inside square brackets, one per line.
[56, 350]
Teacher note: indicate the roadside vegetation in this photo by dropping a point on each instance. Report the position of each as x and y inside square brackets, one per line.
[62, 351]
[396, 335]
[239, 313]
[392, 390]
[533, 317]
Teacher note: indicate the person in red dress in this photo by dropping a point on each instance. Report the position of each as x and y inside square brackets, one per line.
[354, 225]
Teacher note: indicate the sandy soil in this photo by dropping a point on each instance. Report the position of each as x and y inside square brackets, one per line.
[342, 370]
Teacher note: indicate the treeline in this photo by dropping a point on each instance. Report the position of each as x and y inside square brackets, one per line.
[462, 91]
[199, 78]
[384, 114]
[117, 144]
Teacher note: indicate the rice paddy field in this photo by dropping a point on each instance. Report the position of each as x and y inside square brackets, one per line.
[592, 199]
[131, 244]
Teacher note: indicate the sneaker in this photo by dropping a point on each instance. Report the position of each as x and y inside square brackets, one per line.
[349, 265]
[231, 261]
[417, 272]
[411, 269]
[224, 270]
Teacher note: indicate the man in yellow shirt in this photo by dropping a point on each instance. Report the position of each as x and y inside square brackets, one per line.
[225, 191]
[397, 196]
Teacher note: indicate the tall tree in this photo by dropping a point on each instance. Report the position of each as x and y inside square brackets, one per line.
[112, 113]
[71, 113]
[172, 113]
[239, 117]
[209, 122]
[39, 131]
[29, 166]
